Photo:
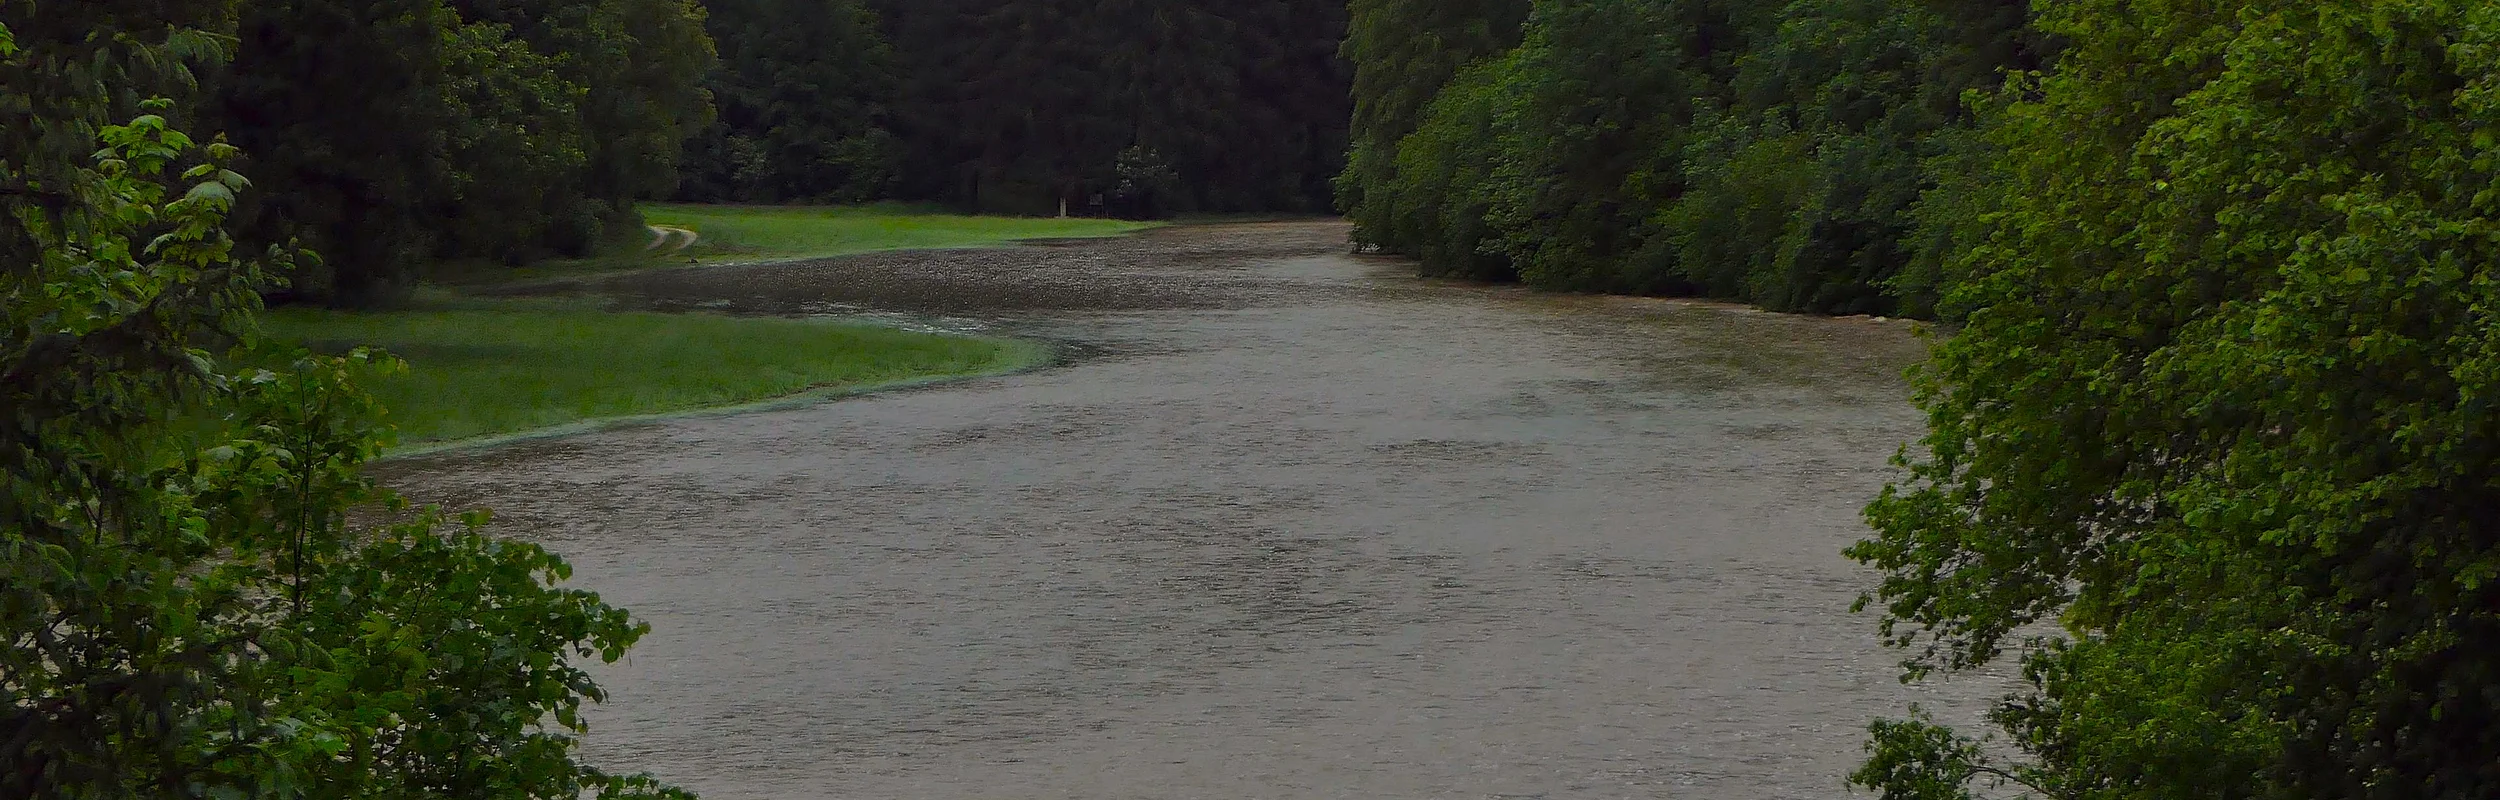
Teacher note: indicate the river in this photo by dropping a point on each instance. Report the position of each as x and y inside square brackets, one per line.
[1286, 523]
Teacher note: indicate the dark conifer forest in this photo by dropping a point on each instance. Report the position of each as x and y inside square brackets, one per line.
[1145, 108]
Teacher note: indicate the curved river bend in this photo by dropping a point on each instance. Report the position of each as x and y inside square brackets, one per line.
[1289, 524]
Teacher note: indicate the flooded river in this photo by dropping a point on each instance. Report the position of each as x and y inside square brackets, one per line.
[1286, 524]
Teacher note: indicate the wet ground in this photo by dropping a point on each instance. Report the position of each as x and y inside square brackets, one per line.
[1288, 523]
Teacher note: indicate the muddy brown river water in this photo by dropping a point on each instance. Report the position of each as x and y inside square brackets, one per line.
[1287, 523]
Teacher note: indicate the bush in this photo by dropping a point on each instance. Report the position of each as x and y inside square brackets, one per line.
[188, 608]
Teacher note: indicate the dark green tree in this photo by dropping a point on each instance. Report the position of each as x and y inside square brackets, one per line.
[397, 133]
[1027, 106]
[640, 66]
[803, 88]
[1010, 106]
[515, 152]
[1253, 115]
[1436, 204]
[1802, 190]
[1592, 139]
[1403, 52]
[341, 105]
[2213, 455]
[186, 608]
[1773, 154]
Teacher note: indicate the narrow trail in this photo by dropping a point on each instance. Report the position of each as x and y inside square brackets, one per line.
[1289, 524]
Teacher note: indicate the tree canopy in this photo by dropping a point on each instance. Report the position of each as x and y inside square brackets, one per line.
[2212, 444]
[2214, 455]
[1019, 106]
[1769, 153]
[392, 134]
[806, 93]
[201, 594]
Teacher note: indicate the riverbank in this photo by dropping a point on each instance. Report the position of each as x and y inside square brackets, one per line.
[1294, 519]
[482, 368]
[730, 235]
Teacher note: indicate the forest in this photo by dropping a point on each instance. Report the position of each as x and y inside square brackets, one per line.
[2214, 438]
[2212, 451]
[1777, 154]
[390, 136]
[1145, 108]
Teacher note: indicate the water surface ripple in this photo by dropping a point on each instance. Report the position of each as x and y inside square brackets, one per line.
[1289, 524]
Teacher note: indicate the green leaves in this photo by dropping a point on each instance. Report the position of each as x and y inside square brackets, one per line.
[1919, 760]
[188, 608]
[806, 92]
[1405, 52]
[2221, 409]
[393, 134]
[1773, 154]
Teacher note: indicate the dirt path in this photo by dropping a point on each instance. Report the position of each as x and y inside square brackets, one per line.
[1290, 525]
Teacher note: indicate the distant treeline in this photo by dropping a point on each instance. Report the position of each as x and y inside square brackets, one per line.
[1120, 107]
[1801, 156]
[388, 135]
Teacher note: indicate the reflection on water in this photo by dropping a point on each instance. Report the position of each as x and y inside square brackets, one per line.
[1290, 525]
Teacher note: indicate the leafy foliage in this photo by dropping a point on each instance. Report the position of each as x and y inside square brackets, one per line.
[1601, 100]
[804, 90]
[1773, 154]
[2222, 412]
[1404, 53]
[1439, 206]
[187, 607]
[395, 133]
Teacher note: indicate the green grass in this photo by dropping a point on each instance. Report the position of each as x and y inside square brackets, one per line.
[752, 234]
[502, 368]
[487, 367]
[814, 232]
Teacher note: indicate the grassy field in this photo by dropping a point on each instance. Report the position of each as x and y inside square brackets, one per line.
[754, 234]
[786, 232]
[488, 367]
[508, 368]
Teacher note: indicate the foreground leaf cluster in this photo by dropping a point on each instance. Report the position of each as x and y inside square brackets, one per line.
[200, 594]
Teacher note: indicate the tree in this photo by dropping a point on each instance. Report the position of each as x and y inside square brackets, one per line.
[187, 609]
[340, 103]
[1010, 106]
[398, 133]
[1823, 153]
[1028, 105]
[1775, 154]
[1403, 53]
[639, 66]
[514, 154]
[803, 89]
[1248, 100]
[1437, 204]
[1603, 103]
[2221, 412]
